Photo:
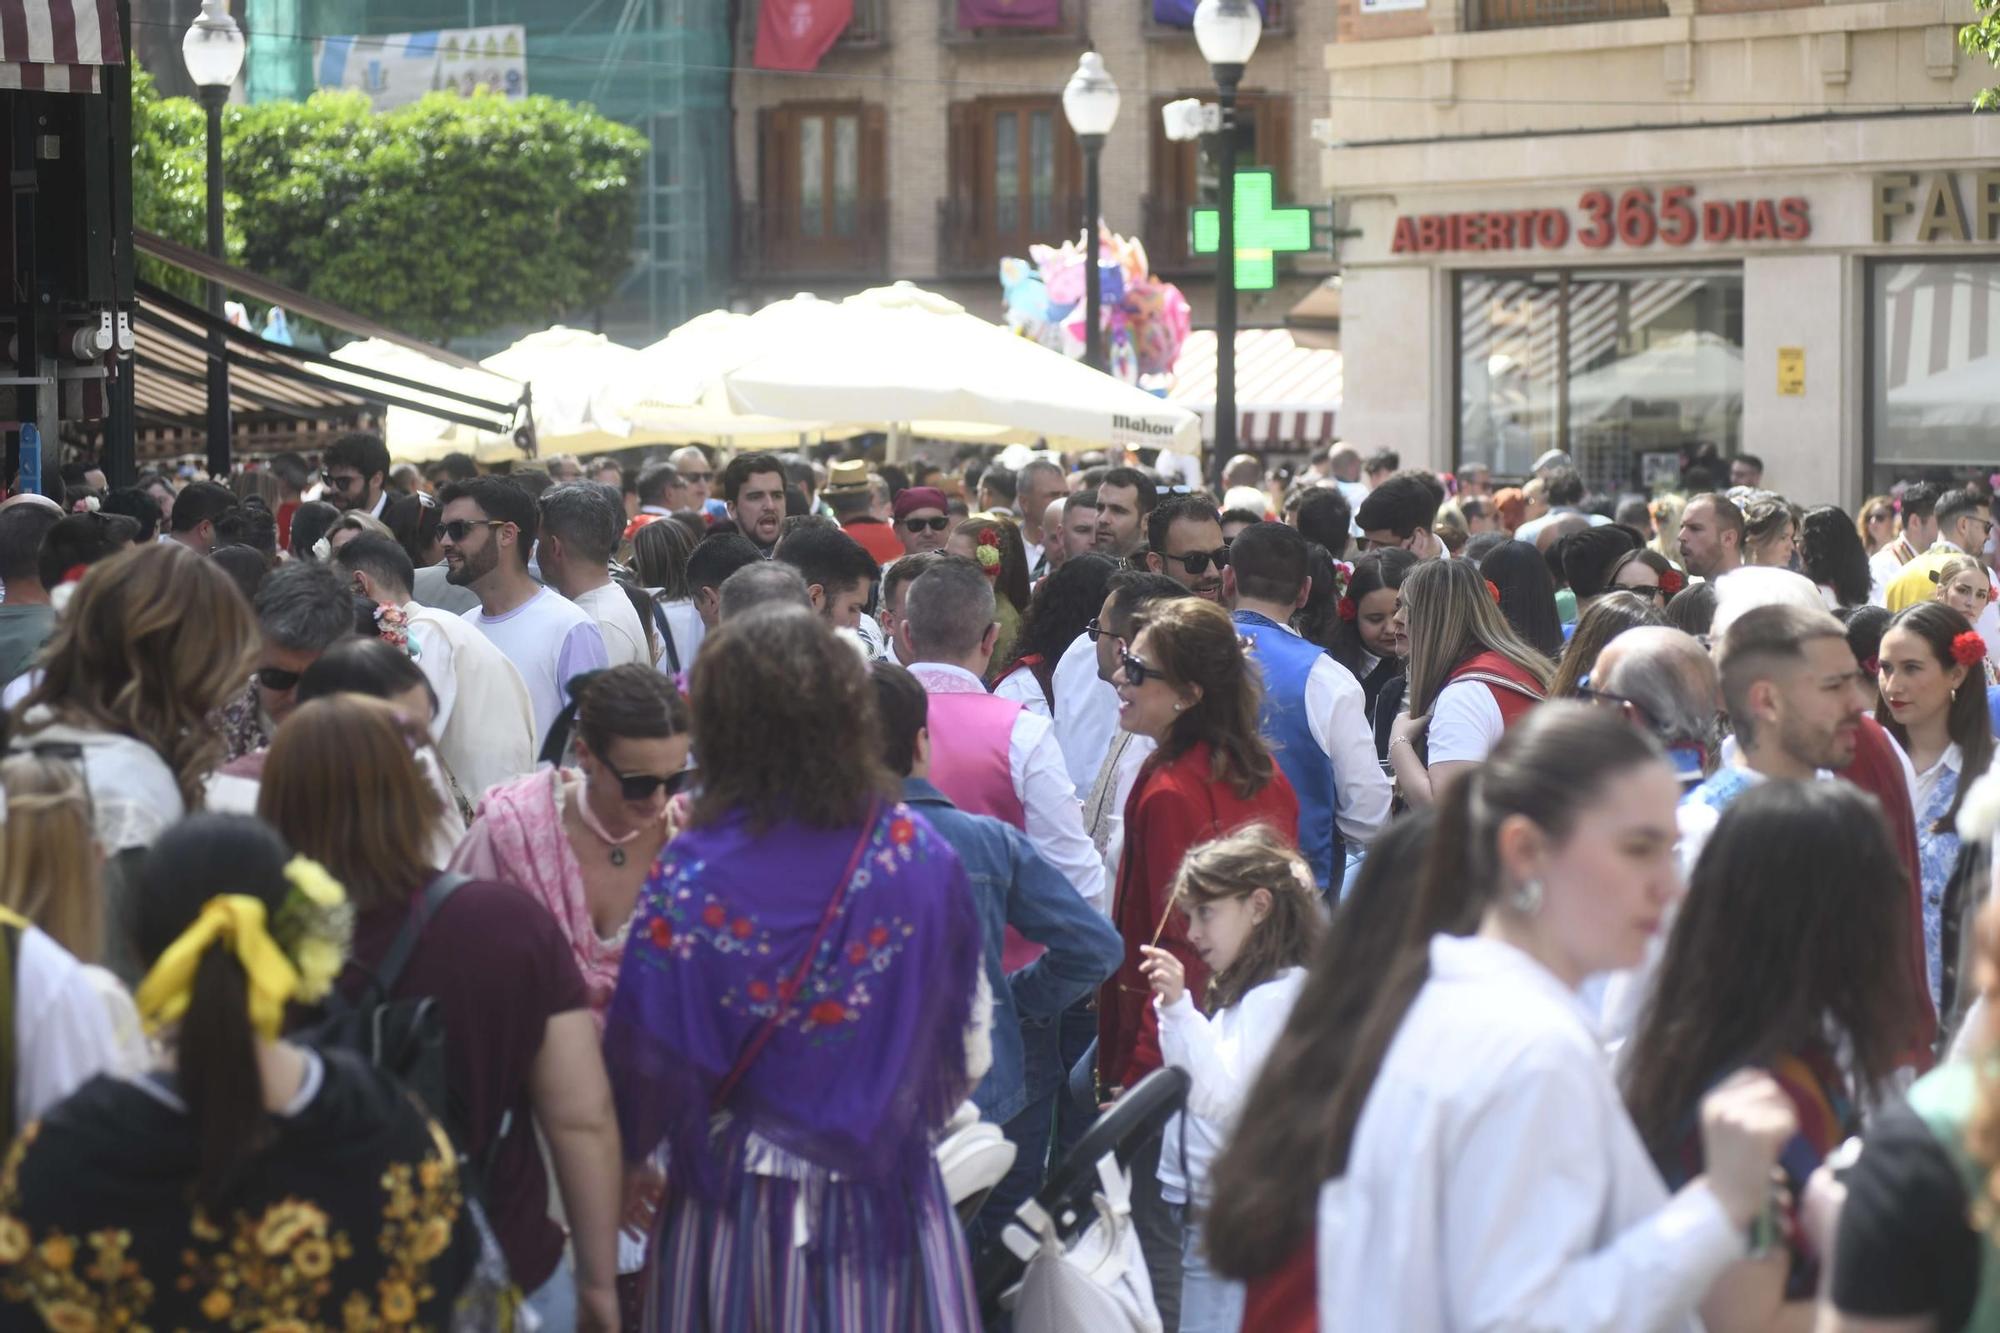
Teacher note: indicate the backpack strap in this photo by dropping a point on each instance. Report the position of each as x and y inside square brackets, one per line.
[10, 958]
[1499, 682]
[436, 894]
[667, 640]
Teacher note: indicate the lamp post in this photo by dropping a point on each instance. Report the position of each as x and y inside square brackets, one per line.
[213, 50]
[1090, 103]
[1227, 33]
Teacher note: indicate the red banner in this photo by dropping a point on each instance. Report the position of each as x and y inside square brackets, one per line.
[794, 34]
[1009, 14]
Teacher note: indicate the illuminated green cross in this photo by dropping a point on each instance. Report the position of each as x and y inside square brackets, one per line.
[1261, 230]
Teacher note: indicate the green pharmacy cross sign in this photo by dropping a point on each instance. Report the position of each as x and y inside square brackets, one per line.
[1262, 229]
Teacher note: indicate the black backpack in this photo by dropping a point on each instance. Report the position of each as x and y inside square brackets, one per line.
[406, 1038]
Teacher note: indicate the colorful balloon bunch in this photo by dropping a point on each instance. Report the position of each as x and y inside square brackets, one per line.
[1145, 319]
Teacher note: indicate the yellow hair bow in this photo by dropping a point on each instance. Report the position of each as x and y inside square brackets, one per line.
[236, 920]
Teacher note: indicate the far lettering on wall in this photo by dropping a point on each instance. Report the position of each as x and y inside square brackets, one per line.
[1939, 209]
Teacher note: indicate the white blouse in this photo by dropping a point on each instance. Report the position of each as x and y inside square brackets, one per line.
[1495, 1180]
[1223, 1056]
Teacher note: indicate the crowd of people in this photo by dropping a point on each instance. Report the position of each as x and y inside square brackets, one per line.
[585, 896]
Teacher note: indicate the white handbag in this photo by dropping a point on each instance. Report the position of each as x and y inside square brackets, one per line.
[1095, 1284]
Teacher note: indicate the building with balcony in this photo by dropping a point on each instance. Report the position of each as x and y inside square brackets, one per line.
[1622, 226]
[925, 150]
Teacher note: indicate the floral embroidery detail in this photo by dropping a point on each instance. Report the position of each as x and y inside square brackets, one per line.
[108, 1292]
[661, 933]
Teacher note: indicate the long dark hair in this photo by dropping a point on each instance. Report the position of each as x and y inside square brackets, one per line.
[1602, 621]
[785, 723]
[1527, 594]
[1195, 643]
[1549, 768]
[1063, 604]
[1265, 1183]
[1794, 918]
[216, 1050]
[1968, 721]
[1319, 619]
[1831, 551]
[1372, 572]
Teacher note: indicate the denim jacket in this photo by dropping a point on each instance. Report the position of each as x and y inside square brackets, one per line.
[1015, 886]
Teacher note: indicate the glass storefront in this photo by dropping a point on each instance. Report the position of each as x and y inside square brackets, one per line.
[1621, 368]
[1934, 371]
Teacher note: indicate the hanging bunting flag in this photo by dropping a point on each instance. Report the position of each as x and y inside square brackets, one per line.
[1180, 13]
[794, 34]
[1009, 14]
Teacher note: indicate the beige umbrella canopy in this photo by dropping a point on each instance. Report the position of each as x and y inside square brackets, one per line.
[903, 358]
[675, 389]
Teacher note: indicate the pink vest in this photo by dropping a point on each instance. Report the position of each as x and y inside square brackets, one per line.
[970, 736]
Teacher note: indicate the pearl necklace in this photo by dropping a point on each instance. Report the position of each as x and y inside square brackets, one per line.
[617, 845]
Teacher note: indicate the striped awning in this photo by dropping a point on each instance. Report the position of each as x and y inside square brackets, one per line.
[1287, 396]
[58, 46]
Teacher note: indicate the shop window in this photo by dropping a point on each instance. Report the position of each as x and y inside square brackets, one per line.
[821, 205]
[1016, 181]
[1934, 378]
[1188, 175]
[1620, 368]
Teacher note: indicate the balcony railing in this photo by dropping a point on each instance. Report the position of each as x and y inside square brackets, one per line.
[775, 240]
[969, 243]
[1068, 28]
[1488, 15]
[1277, 22]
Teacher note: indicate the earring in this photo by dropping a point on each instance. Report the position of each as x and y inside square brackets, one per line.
[1178, 707]
[1527, 900]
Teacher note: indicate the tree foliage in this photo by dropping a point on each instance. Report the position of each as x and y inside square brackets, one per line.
[1982, 38]
[447, 217]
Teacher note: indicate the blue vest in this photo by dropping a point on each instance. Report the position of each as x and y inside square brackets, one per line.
[1285, 660]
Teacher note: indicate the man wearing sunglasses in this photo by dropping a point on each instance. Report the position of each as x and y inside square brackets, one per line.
[487, 531]
[1184, 541]
[699, 473]
[923, 520]
[357, 477]
[303, 609]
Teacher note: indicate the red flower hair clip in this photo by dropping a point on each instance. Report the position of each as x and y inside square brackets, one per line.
[1968, 648]
[1493, 591]
[1672, 582]
[1346, 609]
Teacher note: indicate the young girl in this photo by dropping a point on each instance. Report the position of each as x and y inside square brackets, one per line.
[1962, 586]
[1364, 641]
[1934, 704]
[1253, 916]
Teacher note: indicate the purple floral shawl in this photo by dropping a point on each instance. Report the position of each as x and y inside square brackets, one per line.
[871, 1058]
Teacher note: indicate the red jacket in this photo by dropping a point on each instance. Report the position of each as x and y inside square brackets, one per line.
[876, 537]
[1175, 805]
[1877, 771]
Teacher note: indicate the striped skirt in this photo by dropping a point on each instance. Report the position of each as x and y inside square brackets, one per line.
[801, 1253]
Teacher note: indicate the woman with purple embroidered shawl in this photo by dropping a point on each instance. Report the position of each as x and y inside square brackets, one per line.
[802, 1193]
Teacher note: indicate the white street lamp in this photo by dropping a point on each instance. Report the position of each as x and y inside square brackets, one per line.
[1090, 102]
[1227, 33]
[213, 50]
[213, 47]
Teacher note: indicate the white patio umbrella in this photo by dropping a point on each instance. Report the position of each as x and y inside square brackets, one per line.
[675, 389]
[419, 437]
[906, 359]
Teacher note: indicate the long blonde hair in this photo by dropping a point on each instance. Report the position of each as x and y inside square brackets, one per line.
[154, 642]
[1236, 865]
[1452, 615]
[1666, 511]
[48, 856]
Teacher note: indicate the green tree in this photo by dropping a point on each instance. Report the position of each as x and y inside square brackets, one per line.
[170, 182]
[1982, 38]
[447, 217]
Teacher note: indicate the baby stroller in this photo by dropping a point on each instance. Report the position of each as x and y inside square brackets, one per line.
[1079, 1219]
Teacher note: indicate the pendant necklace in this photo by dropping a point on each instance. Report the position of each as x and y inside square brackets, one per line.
[590, 822]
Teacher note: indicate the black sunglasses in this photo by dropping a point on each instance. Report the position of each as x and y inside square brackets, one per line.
[641, 786]
[1137, 673]
[1197, 562]
[461, 528]
[277, 678]
[916, 525]
[1095, 630]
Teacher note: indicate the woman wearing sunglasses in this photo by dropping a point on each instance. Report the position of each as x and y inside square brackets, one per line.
[1185, 683]
[583, 839]
[343, 786]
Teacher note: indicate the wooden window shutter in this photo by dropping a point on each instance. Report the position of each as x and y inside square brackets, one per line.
[874, 184]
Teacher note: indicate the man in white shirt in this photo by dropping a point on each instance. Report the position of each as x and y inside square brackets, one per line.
[753, 486]
[1313, 715]
[990, 756]
[1918, 506]
[488, 528]
[1039, 485]
[485, 721]
[839, 573]
[579, 529]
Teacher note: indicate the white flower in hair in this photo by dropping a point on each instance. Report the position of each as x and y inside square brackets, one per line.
[322, 550]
